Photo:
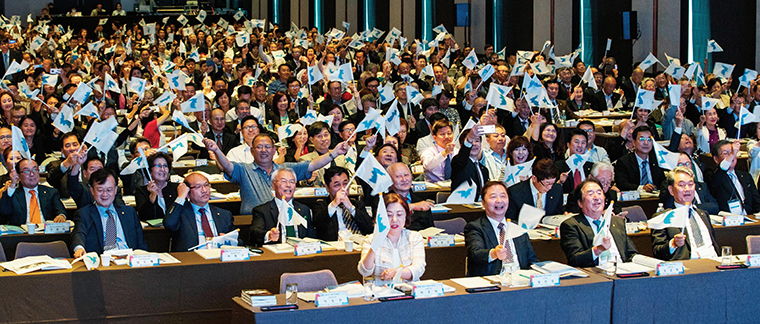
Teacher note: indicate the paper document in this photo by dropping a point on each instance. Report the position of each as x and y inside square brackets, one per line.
[473, 282]
[430, 231]
[639, 263]
[34, 263]
[562, 270]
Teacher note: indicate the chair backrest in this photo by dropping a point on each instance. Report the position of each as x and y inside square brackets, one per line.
[753, 244]
[308, 281]
[2, 253]
[635, 214]
[451, 226]
[440, 197]
[55, 249]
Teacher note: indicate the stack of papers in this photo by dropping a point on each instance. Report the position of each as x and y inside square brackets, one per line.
[34, 263]
[430, 231]
[473, 282]
[210, 254]
[562, 270]
[439, 208]
[639, 263]
[11, 229]
[163, 258]
[280, 248]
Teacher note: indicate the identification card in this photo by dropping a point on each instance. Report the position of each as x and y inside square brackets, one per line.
[259, 301]
[57, 228]
[145, 260]
[201, 162]
[630, 195]
[420, 187]
[487, 129]
[320, 192]
[327, 299]
[735, 207]
[669, 268]
[733, 220]
[428, 290]
[307, 248]
[235, 255]
[753, 260]
[441, 240]
[544, 280]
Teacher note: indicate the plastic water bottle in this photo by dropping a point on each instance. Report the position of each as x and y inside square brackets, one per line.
[660, 209]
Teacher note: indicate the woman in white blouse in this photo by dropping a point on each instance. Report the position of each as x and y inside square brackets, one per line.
[119, 11]
[401, 257]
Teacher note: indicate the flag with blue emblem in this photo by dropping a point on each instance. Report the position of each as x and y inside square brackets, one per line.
[374, 174]
[440, 29]
[644, 98]
[436, 90]
[471, 61]
[310, 117]
[674, 93]
[604, 228]
[386, 93]
[513, 174]
[65, 119]
[343, 74]
[165, 98]
[19, 142]
[413, 95]
[540, 68]
[201, 16]
[179, 118]
[588, 77]
[529, 217]
[372, 119]
[16, 67]
[101, 135]
[182, 20]
[194, 104]
[49, 79]
[502, 55]
[111, 84]
[393, 119]
[138, 85]
[672, 60]
[564, 61]
[178, 146]
[747, 77]
[194, 56]
[446, 60]
[382, 225]
[649, 61]
[468, 87]
[37, 43]
[242, 39]
[238, 15]
[167, 65]
[576, 161]
[26, 92]
[428, 70]
[137, 163]
[486, 72]
[284, 132]
[94, 47]
[288, 216]
[708, 103]
[391, 55]
[176, 80]
[315, 75]
[88, 110]
[676, 71]
[464, 194]
[723, 70]
[713, 47]
[677, 218]
[82, 93]
[259, 23]
[665, 158]
[746, 117]
[498, 97]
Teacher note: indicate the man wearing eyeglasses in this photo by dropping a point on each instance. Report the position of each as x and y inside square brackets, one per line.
[33, 203]
[266, 226]
[596, 153]
[217, 133]
[236, 116]
[639, 170]
[191, 219]
[702, 198]
[734, 190]
[539, 191]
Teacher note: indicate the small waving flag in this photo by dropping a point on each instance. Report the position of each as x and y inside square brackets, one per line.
[284, 132]
[665, 158]
[678, 218]
[713, 47]
[196, 103]
[19, 142]
[471, 61]
[464, 194]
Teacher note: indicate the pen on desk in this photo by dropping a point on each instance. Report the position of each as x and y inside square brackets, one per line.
[524, 276]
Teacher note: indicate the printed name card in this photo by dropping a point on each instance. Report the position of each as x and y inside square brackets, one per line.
[669, 268]
[234, 255]
[630, 195]
[544, 280]
[441, 240]
[428, 290]
[732, 220]
[327, 299]
[146, 260]
[417, 169]
[753, 260]
[419, 187]
[307, 248]
[320, 192]
[631, 228]
[57, 228]
[259, 301]
[201, 162]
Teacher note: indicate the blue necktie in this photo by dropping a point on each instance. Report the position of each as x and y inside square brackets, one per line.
[597, 223]
[447, 168]
[644, 177]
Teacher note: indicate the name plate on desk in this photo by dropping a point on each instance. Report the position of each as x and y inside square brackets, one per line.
[419, 187]
[327, 299]
[201, 162]
[307, 248]
[441, 240]
[259, 301]
[320, 192]
[631, 228]
[669, 268]
[235, 255]
[428, 290]
[630, 195]
[753, 260]
[57, 228]
[417, 169]
[145, 260]
[544, 280]
[733, 220]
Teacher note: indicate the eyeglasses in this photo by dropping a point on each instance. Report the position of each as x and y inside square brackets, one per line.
[205, 186]
[6, 137]
[548, 183]
[250, 128]
[288, 181]
[684, 164]
[263, 147]
[645, 139]
[30, 172]
[161, 166]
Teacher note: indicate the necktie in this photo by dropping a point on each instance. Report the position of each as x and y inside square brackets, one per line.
[644, 173]
[695, 230]
[34, 209]
[577, 178]
[110, 239]
[207, 232]
[504, 243]
[5, 60]
[597, 223]
[539, 203]
[348, 221]
[447, 168]
[502, 233]
[737, 184]
[219, 140]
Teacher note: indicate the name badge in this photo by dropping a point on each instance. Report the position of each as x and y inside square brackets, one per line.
[420, 186]
[669, 268]
[544, 280]
[57, 228]
[631, 228]
[307, 248]
[327, 299]
[320, 192]
[735, 207]
[146, 260]
[733, 220]
[753, 260]
[441, 240]
[630, 195]
[201, 162]
[235, 255]
[259, 301]
[428, 290]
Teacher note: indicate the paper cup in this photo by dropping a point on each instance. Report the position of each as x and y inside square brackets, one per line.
[31, 228]
[105, 260]
[349, 246]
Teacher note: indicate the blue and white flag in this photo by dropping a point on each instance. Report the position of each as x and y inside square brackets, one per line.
[176, 80]
[471, 61]
[529, 217]
[672, 60]
[644, 98]
[82, 93]
[713, 47]
[288, 216]
[65, 119]
[315, 75]
[19, 142]
[201, 16]
[413, 95]
[284, 132]
[382, 225]
[137, 163]
[259, 23]
[603, 229]
[194, 104]
[576, 161]
[49, 79]
[16, 67]
[723, 70]
[26, 92]
[392, 55]
[709, 103]
[678, 218]
[513, 173]
[446, 60]
[103, 140]
[564, 61]
[194, 56]
[428, 70]
[486, 72]
[374, 174]
[310, 117]
[437, 88]
[37, 43]
[498, 97]
[88, 110]
[676, 71]
[393, 119]
[665, 158]
[238, 15]
[649, 61]
[344, 74]
[182, 20]
[588, 77]
[386, 93]
[138, 85]
[372, 119]
[747, 77]
[179, 118]
[468, 87]
[111, 84]
[165, 98]
[540, 68]
[502, 55]
[674, 93]
[746, 117]
[178, 146]
[464, 194]
[440, 29]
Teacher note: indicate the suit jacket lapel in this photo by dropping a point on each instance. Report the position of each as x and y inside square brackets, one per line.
[217, 219]
[585, 228]
[98, 225]
[20, 199]
[126, 226]
[187, 211]
[491, 240]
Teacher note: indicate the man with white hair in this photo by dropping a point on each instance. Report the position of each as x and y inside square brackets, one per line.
[603, 172]
[266, 226]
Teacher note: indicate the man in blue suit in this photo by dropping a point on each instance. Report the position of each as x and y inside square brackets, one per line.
[487, 246]
[188, 217]
[30, 202]
[105, 226]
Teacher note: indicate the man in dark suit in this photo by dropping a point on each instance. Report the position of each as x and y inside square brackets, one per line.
[467, 162]
[266, 226]
[340, 216]
[630, 86]
[488, 247]
[80, 190]
[566, 83]
[577, 233]
[603, 172]
[97, 225]
[680, 244]
[539, 191]
[517, 124]
[728, 118]
[731, 187]
[606, 99]
[639, 170]
[56, 170]
[702, 197]
[429, 107]
[422, 217]
[32, 202]
[224, 140]
[8, 56]
[188, 219]
[577, 147]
